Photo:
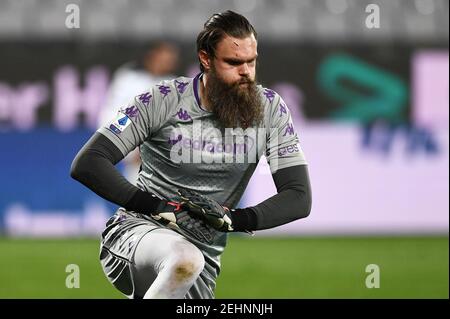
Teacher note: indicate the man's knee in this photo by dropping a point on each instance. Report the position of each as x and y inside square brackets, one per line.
[187, 262]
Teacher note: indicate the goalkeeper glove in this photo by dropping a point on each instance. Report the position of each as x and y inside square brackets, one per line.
[206, 209]
[173, 215]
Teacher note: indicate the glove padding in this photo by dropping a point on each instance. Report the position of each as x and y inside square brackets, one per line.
[206, 209]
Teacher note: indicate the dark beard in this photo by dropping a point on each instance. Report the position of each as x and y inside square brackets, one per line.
[234, 106]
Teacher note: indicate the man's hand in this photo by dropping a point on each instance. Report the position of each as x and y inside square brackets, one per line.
[175, 216]
[206, 209]
[167, 212]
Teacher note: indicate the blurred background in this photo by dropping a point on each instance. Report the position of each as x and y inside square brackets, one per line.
[367, 83]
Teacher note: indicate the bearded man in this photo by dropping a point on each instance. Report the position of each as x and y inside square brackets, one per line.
[166, 239]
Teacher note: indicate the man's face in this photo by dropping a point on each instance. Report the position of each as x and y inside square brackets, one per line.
[235, 60]
[231, 90]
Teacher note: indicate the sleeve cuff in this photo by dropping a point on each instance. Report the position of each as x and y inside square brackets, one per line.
[244, 219]
[143, 202]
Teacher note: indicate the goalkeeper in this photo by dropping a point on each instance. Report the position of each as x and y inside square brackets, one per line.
[166, 238]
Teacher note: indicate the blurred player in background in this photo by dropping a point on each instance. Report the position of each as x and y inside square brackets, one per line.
[167, 238]
[159, 62]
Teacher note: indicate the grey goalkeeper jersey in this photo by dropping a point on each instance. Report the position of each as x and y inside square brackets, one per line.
[182, 145]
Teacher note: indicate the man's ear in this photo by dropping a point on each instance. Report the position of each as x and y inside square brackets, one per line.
[204, 59]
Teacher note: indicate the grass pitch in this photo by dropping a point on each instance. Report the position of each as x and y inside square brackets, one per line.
[288, 267]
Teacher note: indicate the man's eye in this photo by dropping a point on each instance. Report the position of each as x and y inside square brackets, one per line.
[234, 63]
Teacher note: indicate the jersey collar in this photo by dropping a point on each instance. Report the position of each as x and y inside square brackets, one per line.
[197, 91]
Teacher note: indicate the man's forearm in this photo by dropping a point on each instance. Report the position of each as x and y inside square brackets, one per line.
[292, 202]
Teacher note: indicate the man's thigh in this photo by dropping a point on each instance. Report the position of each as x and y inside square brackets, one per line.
[153, 252]
[133, 259]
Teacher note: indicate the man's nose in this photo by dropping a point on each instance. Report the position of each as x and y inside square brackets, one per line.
[244, 69]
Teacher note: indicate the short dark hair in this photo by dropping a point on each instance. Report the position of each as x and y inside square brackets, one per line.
[221, 24]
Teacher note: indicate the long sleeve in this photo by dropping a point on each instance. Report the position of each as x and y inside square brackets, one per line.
[94, 167]
[293, 201]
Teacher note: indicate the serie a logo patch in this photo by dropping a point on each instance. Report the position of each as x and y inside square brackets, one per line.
[120, 123]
